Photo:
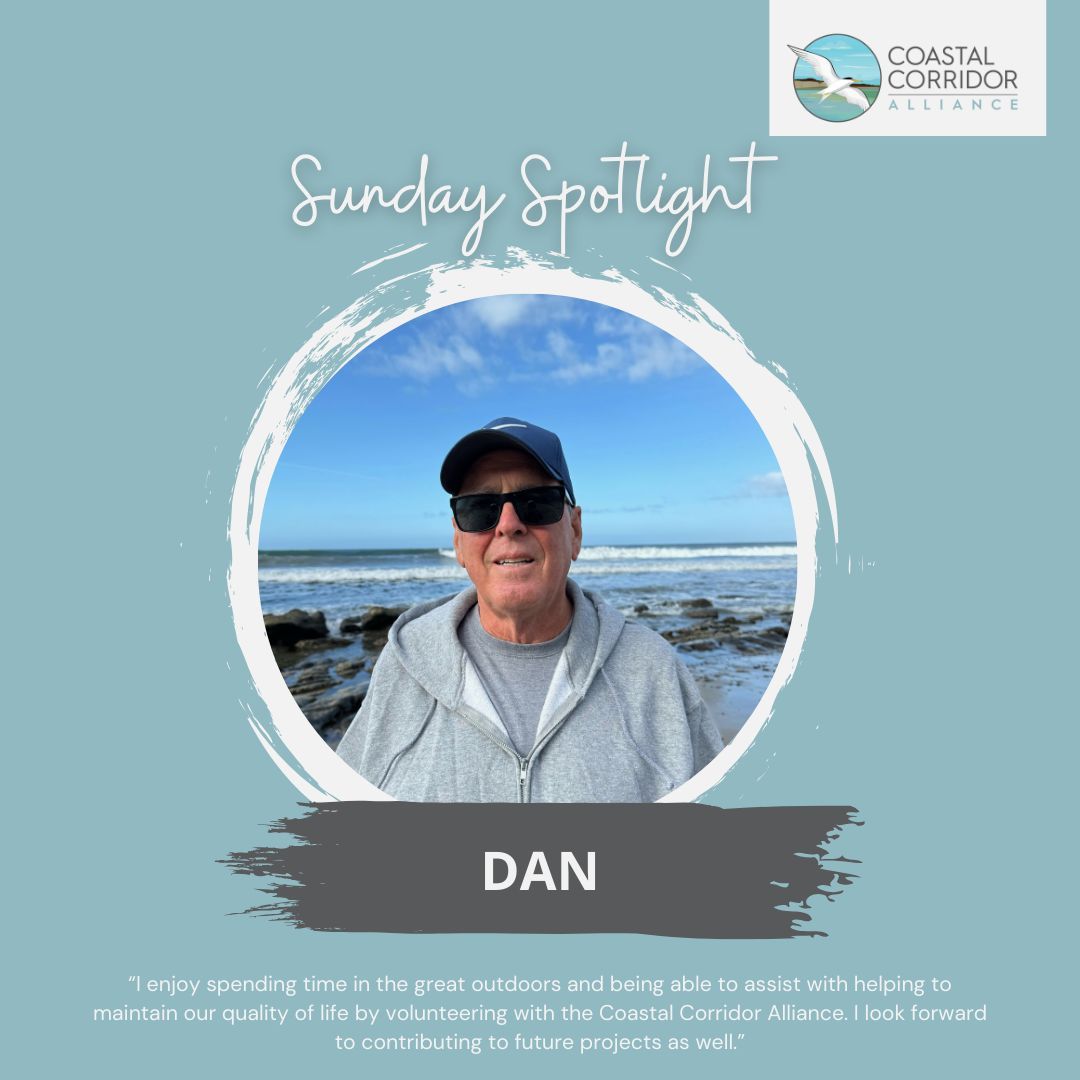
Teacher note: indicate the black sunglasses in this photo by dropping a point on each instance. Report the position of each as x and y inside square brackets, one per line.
[533, 506]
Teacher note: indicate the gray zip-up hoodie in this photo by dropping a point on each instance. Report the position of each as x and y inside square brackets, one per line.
[623, 720]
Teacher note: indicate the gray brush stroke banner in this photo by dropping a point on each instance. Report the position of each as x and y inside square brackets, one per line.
[678, 870]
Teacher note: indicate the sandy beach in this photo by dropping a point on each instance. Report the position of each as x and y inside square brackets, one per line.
[730, 705]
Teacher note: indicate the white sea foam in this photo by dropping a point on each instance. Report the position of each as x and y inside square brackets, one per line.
[673, 566]
[750, 551]
[337, 575]
[601, 552]
[341, 575]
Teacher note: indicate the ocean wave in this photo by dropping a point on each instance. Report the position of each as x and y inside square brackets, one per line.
[346, 575]
[673, 566]
[759, 551]
[609, 553]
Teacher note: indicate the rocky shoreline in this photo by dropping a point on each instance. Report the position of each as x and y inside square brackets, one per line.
[329, 674]
[709, 629]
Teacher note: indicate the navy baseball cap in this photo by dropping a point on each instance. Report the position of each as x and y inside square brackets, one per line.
[498, 434]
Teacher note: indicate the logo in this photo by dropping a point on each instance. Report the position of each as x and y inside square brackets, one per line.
[920, 67]
[836, 78]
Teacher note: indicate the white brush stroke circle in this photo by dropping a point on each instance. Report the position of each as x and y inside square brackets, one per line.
[294, 745]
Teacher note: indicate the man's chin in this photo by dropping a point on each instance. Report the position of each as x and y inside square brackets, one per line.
[515, 602]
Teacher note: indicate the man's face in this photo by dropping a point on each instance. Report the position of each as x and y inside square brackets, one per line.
[519, 570]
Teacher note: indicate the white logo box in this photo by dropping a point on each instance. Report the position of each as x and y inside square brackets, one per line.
[1008, 36]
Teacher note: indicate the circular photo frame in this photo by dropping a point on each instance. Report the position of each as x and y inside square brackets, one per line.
[596, 359]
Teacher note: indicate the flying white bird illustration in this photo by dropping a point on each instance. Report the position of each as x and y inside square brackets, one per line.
[833, 83]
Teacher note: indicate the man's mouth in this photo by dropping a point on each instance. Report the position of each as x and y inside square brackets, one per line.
[512, 562]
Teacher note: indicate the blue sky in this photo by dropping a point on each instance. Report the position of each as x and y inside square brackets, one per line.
[660, 448]
[849, 58]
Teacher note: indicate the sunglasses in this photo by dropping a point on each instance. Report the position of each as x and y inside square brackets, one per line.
[533, 506]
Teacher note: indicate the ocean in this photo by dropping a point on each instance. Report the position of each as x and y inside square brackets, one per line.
[754, 583]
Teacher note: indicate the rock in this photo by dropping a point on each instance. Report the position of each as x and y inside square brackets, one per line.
[313, 679]
[299, 654]
[639, 608]
[708, 632]
[706, 627]
[296, 625]
[317, 645]
[699, 608]
[704, 613]
[348, 668]
[374, 643]
[768, 640]
[337, 707]
[372, 619]
[752, 645]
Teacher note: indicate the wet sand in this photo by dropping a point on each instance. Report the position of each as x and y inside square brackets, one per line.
[730, 705]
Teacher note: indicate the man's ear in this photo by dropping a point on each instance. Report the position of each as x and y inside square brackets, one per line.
[457, 541]
[575, 528]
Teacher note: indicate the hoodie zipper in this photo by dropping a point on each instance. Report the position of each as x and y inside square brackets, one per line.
[523, 763]
[523, 776]
[569, 703]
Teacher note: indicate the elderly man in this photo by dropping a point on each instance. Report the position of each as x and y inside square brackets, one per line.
[525, 687]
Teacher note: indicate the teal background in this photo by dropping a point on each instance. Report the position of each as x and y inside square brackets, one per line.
[153, 276]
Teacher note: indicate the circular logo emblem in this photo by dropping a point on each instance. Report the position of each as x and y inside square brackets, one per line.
[836, 77]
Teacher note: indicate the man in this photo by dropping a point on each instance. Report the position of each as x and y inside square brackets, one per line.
[525, 687]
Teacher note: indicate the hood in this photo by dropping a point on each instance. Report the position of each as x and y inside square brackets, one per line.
[424, 641]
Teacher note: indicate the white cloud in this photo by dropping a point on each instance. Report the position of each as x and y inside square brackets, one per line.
[650, 509]
[605, 362]
[766, 486]
[495, 315]
[428, 357]
[560, 346]
[660, 356]
[605, 324]
[493, 340]
[499, 313]
[636, 353]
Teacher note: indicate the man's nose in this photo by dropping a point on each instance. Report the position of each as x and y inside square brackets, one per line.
[509, 523]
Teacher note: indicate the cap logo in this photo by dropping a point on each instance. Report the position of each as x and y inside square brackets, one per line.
[499, 427]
